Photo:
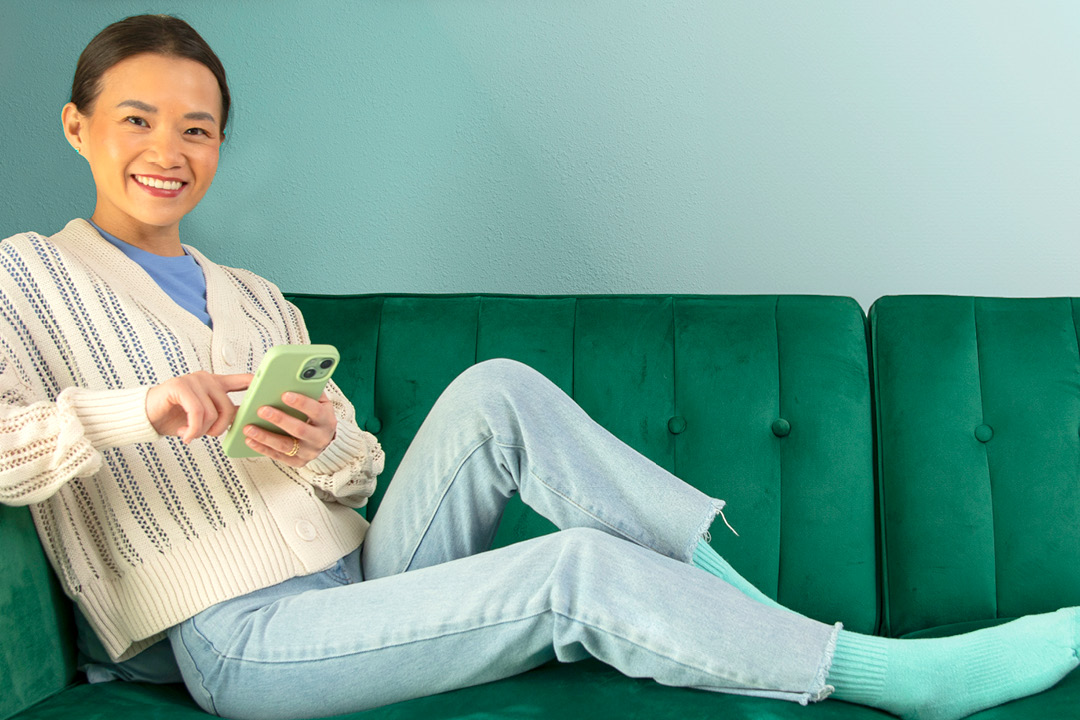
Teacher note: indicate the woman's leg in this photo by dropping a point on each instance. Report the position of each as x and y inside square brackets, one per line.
[312, 646]
[502, 428]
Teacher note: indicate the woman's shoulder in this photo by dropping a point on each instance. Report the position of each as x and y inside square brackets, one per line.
[38, 242]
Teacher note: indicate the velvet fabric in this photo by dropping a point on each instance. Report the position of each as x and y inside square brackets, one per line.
[764, 401]
[978, 405]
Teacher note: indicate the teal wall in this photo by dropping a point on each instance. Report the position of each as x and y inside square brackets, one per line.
[556, 146]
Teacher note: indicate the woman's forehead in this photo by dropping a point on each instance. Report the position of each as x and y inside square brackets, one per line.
[152, 82]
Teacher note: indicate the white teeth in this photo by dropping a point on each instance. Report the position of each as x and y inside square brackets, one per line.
[160, 184]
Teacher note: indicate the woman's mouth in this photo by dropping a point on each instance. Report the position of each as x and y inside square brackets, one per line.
[159, 186]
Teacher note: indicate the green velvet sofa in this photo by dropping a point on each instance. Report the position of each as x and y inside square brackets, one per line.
[911, 473]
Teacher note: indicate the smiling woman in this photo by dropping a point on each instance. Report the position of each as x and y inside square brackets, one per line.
[152, 141]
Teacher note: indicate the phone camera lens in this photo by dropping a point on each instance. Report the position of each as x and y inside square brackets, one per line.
[326, 363]
[309, 373]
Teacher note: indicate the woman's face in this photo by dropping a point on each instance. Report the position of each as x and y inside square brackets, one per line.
[152, 143]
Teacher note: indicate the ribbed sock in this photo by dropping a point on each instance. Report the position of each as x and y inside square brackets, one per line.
[949, 678]
[711, 562]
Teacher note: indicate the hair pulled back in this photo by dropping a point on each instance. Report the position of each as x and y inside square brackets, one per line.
[160, 34]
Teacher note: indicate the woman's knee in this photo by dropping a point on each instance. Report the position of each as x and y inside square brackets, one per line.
[496, 379]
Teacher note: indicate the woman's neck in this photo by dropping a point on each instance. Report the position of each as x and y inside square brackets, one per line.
[163, 241]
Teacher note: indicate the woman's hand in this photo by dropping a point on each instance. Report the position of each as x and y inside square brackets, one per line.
[300, 441]
[194, 405]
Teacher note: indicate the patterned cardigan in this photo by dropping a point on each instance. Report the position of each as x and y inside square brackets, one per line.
[142, 530]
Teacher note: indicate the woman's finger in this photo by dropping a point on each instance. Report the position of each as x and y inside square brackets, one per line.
[218, 388]
[289, 425]
[276, 447]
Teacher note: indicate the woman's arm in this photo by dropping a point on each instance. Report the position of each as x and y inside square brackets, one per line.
[44, 444]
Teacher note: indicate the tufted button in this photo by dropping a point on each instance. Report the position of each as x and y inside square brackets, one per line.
[306, 531]
[676, 424]
[781, 427]
[373, 425]
[983, 433]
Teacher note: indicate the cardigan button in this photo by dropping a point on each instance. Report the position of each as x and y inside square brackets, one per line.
[228, 354]
[306, 531]
[676, 424]
[984, 433]
[373, 425]
[781, 427]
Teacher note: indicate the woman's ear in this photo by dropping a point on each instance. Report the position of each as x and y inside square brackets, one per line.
[74, 126]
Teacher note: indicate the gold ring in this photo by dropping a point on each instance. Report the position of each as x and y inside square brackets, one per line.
[295, 447]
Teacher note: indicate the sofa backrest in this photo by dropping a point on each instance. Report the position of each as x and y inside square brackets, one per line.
[978, 423]
[763, 401]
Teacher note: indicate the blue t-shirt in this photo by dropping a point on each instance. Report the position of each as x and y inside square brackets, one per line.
[180, 277]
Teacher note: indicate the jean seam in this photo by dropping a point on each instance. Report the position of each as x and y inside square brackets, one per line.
[442, 497]
[387, 646]
[202, 675]
[655, 651]
[614, 530]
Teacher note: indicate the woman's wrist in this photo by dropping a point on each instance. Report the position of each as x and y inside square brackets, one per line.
[110, 418]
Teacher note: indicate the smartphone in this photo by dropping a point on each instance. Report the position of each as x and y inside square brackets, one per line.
[303, 369]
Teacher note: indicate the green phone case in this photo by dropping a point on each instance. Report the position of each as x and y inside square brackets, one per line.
[302, 369]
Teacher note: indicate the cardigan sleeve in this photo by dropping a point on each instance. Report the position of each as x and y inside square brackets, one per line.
[346, 470]
[44, 444]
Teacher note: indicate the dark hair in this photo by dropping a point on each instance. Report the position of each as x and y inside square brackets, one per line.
[161, 34]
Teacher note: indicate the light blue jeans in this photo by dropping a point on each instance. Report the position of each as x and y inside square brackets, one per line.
[426, 607]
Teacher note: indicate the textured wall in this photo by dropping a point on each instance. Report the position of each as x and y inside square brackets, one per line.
[834, 147]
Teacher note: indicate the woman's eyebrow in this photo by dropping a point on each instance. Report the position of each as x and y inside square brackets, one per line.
[138, 105]
[143, 107]
[200, 116]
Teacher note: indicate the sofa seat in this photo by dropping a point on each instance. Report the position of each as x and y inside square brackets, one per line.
[586, 689]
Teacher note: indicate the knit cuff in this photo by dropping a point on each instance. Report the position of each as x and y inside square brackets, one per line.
[110, 418]
[349, 443]
[858, 667]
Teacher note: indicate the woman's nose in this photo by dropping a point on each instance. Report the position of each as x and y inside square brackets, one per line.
[165, 149]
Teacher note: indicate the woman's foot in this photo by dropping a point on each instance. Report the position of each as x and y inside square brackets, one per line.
[950, 678]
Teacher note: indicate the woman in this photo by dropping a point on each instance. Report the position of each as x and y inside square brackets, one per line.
[257, 582]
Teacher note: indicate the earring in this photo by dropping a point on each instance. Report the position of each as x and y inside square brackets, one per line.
[78, 151]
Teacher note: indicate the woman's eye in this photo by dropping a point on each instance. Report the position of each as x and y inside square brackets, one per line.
[198, 131]
[136, 120]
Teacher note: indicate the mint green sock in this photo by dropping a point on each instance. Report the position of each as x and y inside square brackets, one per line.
[710, 561]
[949, 678]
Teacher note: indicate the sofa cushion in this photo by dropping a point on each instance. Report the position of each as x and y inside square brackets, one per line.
[978, 420]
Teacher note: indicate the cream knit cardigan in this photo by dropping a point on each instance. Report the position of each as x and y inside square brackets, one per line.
[142, 530]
